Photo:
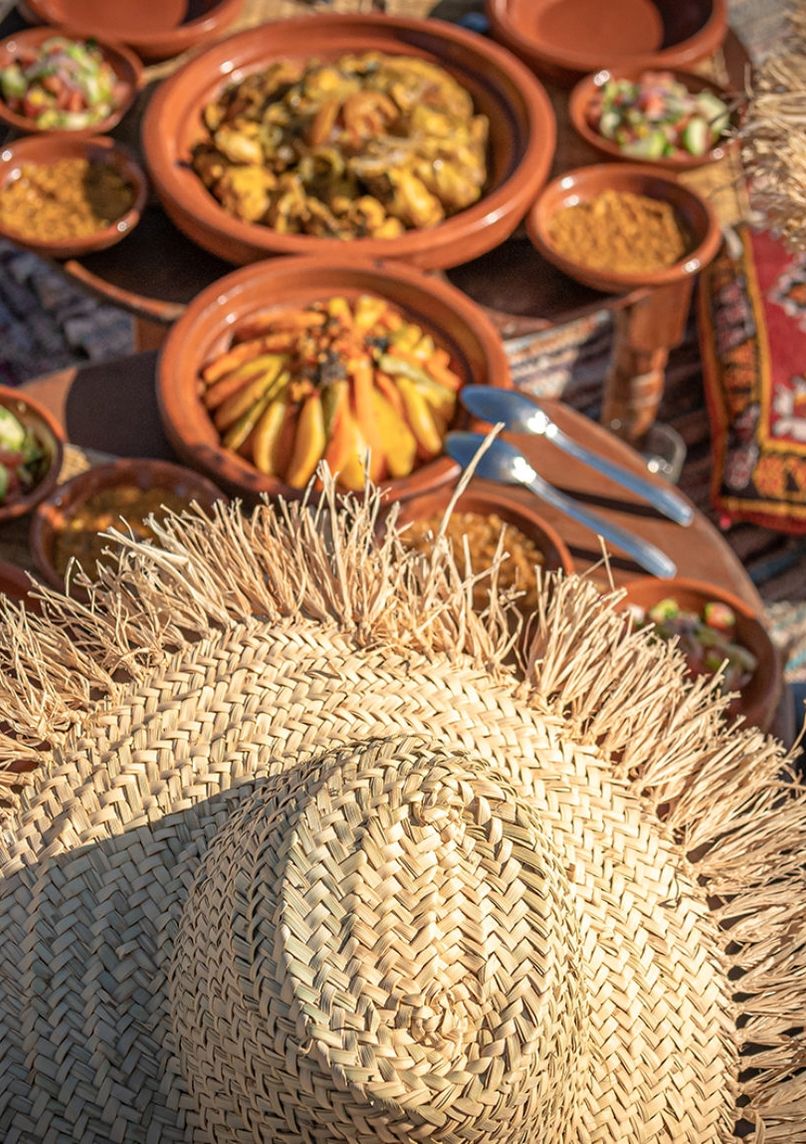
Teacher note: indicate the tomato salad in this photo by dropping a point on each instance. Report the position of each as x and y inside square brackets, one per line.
[657, 117]
[64, 85]
[708, 639]
[23, 461]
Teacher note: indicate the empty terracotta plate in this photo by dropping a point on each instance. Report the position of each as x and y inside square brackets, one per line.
[564, 39]
[588, 89]
[124, 64]
[156, 29]
[694, 216]
[521, 136]
[44, 151]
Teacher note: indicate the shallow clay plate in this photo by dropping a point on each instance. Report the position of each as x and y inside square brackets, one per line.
[522, 135]
[567, 38]
[698, 222]
[156, 29]
[67, 499]
[42, 150]
[584, 92]
[127, 69]
[759, 699]
[454, 322]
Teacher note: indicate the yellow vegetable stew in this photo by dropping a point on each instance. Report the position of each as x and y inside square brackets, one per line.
[340, 381]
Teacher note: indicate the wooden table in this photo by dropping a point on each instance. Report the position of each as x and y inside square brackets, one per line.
[156, 271]
[112, 408]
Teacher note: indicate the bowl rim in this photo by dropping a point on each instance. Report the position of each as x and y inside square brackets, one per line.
[609, 175]
[20, 506]
[66, 497]
[512, 196]
[181, 37]
[584, 90]
[20, 581]
[702, 43]
[499, 501]
[127, 59]
[173, 405]
[18, 149]
[761, 708]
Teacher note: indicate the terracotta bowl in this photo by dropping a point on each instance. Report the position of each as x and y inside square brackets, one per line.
[565, 39]
[585, 183]
[759, 699]
[522, 135]
[582, 96]
[486, 498]
[453, 320]
[125, 65]
[51, 436]
[64, 501]
[45, 149]
[155, 29]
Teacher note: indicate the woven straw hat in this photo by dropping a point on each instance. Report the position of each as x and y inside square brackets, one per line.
[305, 860]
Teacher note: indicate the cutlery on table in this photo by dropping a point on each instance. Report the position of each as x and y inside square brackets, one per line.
[504, 463]
[522, 415]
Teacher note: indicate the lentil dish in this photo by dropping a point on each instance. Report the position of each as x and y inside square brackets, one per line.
[70, 198]
[78, 534]
[367, 145]
[619, 231]
[482, 533]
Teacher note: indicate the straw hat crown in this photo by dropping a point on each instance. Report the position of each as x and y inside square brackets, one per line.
[384, 943]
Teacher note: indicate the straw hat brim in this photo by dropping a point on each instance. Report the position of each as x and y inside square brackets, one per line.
[319, 640]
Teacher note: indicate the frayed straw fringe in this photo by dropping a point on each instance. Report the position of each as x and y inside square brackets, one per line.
[728, 794]
[773, 136]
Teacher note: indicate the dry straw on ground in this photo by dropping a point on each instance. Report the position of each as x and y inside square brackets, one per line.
[307, 859]
[773, 135]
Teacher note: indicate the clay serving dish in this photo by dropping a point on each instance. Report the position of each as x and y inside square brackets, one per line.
[46, 149]
[155, 29]
[64, 502]
[584, 92]
[759, 699]
[16, 584]
[125, 65]
[487, 499]
[522, 135]
[695, 216]
[49, 434]
[203, 331]
[565, 39]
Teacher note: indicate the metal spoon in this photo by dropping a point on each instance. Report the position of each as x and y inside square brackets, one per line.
[522, 415]
[504, 463]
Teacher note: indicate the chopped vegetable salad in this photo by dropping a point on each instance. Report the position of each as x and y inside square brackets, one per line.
[65, 85]
[657, 117]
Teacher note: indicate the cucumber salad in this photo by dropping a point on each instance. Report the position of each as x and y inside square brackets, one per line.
[64, 85]
[657, 117]
[23, 461]
[707, 639]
